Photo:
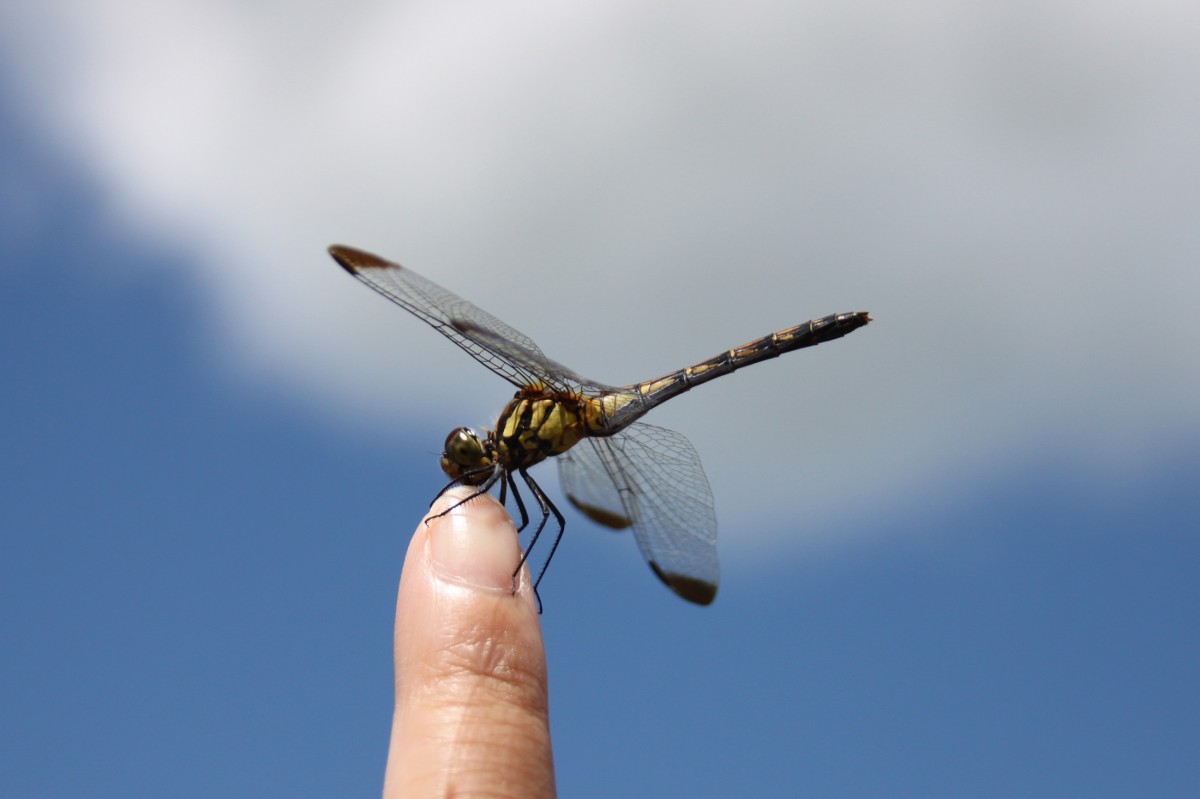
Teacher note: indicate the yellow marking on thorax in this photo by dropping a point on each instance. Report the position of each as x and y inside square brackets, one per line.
[539, 428]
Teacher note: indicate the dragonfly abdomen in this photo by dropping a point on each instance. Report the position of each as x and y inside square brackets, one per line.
[641, 397]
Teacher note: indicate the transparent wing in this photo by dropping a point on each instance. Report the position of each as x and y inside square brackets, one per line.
[498, 346]
[543, 370]
[650, 478]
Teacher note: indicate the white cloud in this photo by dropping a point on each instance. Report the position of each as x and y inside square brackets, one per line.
[1010, 189]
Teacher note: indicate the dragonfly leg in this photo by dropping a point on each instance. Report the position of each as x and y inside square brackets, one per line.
[547, 507]
[542, 502]
[508, 480]
[494, 473]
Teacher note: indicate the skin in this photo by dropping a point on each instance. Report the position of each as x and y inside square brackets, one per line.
[472, 714]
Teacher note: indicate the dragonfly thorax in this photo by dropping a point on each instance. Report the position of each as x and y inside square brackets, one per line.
[536, 425]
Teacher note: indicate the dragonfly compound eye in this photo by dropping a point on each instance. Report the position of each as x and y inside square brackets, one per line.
[463, 448]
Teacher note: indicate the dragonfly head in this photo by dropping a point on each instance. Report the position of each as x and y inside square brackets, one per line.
[467, 457]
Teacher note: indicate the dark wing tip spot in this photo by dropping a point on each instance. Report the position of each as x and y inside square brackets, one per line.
[601, 516]
[702, 592]
[354, 260]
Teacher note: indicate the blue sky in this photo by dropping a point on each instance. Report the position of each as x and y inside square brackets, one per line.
[958, 547]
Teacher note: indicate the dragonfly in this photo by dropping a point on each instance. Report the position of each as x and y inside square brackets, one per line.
[616, 470]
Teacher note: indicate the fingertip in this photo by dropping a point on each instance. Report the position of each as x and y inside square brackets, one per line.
[469, 655]
[472, 542]
[459, 572]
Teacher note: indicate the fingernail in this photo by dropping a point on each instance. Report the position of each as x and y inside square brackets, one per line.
[475, 544]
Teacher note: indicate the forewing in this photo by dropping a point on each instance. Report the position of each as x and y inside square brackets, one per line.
[650, 478]
[518, 361]
[539, 368]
